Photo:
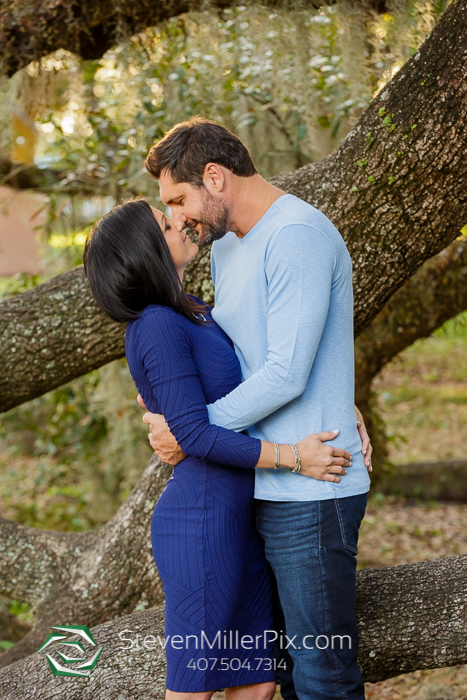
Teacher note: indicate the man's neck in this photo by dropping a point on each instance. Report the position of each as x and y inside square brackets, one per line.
[251, 198]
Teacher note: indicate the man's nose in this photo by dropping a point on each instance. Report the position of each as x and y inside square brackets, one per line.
[179, 223]
[179, 219]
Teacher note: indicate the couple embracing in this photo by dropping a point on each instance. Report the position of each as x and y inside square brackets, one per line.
[255, 534]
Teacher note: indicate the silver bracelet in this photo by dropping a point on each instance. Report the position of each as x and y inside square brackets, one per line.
[298, 461]
[277, 455]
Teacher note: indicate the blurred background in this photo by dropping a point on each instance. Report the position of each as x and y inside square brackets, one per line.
[73, 137]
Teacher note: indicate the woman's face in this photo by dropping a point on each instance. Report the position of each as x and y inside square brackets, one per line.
[182, 249]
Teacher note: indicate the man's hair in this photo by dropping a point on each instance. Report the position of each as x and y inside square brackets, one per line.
[189, 146]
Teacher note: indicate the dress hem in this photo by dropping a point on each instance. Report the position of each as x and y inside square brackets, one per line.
[243, 680]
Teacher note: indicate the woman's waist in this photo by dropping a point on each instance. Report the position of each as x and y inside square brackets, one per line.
[196, 467]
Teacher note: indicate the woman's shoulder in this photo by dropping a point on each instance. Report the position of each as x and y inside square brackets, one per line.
[158, 320]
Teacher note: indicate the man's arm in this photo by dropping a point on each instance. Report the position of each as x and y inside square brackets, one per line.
[299, 267]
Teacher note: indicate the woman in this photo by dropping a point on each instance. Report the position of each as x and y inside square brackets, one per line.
[207, 550]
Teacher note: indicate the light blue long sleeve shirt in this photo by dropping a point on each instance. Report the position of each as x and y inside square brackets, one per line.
[283, 294]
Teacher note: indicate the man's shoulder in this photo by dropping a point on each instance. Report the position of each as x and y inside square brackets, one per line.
[299, 218]
[288, 215]
[295, 211]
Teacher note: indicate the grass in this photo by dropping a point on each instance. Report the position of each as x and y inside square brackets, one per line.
[423, 397]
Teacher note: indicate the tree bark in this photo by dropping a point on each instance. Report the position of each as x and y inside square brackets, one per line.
[31, 29]
[395, 187]
[55, 333]
[396, 191]
[409, 617]
[87, 577]
[436, 293]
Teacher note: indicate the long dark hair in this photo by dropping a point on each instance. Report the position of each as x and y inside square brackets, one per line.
[128, 265]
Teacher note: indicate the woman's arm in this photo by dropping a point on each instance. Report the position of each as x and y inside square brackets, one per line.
[165, 349]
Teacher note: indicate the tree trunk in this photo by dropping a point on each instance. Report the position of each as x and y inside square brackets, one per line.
[86, 577]
[395, 189]
[410, 617]
[436, 293]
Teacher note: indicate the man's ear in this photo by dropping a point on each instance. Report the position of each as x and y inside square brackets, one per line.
[214, 177]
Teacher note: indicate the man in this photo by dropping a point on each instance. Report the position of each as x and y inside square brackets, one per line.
[283, 283]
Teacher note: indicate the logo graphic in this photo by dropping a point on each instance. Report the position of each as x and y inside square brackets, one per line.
[75, 649]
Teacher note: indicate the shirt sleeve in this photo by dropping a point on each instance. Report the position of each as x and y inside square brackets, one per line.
[300, 265]
[165, 349]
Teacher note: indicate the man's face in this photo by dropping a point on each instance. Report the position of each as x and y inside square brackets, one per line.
[196, 207]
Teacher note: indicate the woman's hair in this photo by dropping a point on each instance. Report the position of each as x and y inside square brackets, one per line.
[129, 266]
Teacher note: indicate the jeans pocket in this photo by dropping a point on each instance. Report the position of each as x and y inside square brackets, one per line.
[350, 512]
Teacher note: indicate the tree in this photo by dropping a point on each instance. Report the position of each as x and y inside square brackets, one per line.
[93, 576]
[394, 188]
[436, 293]
[423, 628]
[30, 30]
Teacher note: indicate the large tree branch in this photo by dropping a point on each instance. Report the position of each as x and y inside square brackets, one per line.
[93, 576]
[436, 293]
[31, 29]
[52, 334]
[397, 195]
[395, 187]
[410, 617]
[55, 333]
[30, 177]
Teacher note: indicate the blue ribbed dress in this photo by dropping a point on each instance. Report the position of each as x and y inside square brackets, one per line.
[218, 604]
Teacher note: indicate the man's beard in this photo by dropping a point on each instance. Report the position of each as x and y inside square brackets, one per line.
[214, 218]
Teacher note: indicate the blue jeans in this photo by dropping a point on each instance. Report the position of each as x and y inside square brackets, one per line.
[311, 547]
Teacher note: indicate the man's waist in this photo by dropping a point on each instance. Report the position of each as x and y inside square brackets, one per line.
[292, 431]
